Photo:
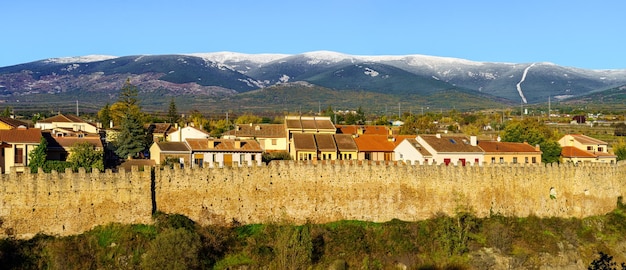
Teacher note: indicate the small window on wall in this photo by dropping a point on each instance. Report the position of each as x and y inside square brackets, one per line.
[534, 159]
[446, 161]
[274, 141]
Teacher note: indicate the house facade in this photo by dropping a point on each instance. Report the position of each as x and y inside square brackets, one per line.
[60, 145]
[271, 137]
[182, 134]
[580, 148]
[15, 147]
[411, 152]
[452, 149]
[510, 152]
[177, 152]
[224, 152]
[67, 122]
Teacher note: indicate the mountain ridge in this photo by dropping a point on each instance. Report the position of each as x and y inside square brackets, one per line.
[227, 74]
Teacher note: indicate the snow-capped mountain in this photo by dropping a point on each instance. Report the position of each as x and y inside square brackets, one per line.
[224, 74]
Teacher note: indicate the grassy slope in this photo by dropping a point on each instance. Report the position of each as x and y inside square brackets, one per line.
[460, 242]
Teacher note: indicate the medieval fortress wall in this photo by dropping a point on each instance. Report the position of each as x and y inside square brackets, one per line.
[70, 203]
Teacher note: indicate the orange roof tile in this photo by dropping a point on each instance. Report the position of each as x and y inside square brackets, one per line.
[586, 139]
[374, 143]
[21, 135]
[506, 147]
[223, 145]
[451, 144]
[572, 152]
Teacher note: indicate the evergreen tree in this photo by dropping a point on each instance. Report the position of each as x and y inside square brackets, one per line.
[172, 113]
[131, 139]
[38, 156]
[533, 132]
[104, 115]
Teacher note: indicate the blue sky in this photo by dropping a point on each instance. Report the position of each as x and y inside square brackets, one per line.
[585, 34]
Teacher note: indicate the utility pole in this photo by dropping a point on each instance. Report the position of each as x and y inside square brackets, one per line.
[77, 108]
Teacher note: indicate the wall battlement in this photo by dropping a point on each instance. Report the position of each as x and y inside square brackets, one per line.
[297, 192]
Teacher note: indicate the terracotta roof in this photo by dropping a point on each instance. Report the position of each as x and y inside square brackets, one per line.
[160, 127]
[223, 145]
[13, 122]
[173, 147]
[21, 135]
[586, 139]
[506, 147]
[70, 141]
[304, 142]
[451, 144]
[365, 129]
[400, 138]
[345, 143]
[325, 142]
[573, 152]
[63, 118]
[374, 143]
[258, 130]
[418, 147]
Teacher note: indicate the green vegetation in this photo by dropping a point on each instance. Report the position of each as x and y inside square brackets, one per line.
[462, 241]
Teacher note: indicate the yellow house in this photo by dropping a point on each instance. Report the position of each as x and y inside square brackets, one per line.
[16, 145]
[271, 137]
[7, 123]
[580, 148]
[510, 152]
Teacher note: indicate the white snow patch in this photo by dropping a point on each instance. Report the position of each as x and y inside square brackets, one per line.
[519, 84]
[222, 57]
[371, 72]
[325, 57]
[284, 78]
[435, 77]
[71, 67]
[80, 59]
[563, 96]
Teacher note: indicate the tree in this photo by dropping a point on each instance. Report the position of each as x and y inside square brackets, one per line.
[619, 148]
[248, 119]
[131, 139]
[7, 112]
[533, 132]
[172, 113]
[127, 103]
[38, 156]
[104, 115]
[85, 156]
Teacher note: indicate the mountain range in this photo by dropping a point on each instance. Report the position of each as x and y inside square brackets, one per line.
[228, 80]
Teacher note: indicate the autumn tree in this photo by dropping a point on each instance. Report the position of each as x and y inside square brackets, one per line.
[248, 119]
[104, 115]
[534, 133]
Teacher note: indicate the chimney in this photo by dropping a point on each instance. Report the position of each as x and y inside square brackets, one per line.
[237, 143]
[438, 136]
[360, 130]
[211, 144]
[537, 147]
[473, 141]
[111, 124]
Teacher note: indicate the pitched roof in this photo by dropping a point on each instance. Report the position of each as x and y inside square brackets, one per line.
[418, 147]
[223, 145]
[586, 139]
[309, 122]
[345, 143]
[362, 129]
[173, 146]
[21, 135]
[304, 142]
[258, 130]
[13, 122]
[63, 118]
[507, 147]
[451, 144]
[325, 142]
[573, 152]
[70, 141]
[160, 127]
[374, 143]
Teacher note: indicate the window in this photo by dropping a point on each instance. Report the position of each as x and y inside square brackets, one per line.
[525, 159]
[476, 161]
[274, 141]
[600, 149]
[514, 160]
[462, 161]
[501, 160]
[19, 156]
[446, 161]
[368, 156]
[198, 162]
[534, 160]
[493, 160]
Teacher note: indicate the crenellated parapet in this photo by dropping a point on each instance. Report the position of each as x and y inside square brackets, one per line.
[298, 192]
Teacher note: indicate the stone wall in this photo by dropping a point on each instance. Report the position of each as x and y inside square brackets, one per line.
[71, 203]
[299, 193]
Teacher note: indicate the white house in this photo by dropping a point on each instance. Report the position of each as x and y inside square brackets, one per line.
[224, 152]
[68, 122]
[452, 149]
[411, 152]
[185, 133]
